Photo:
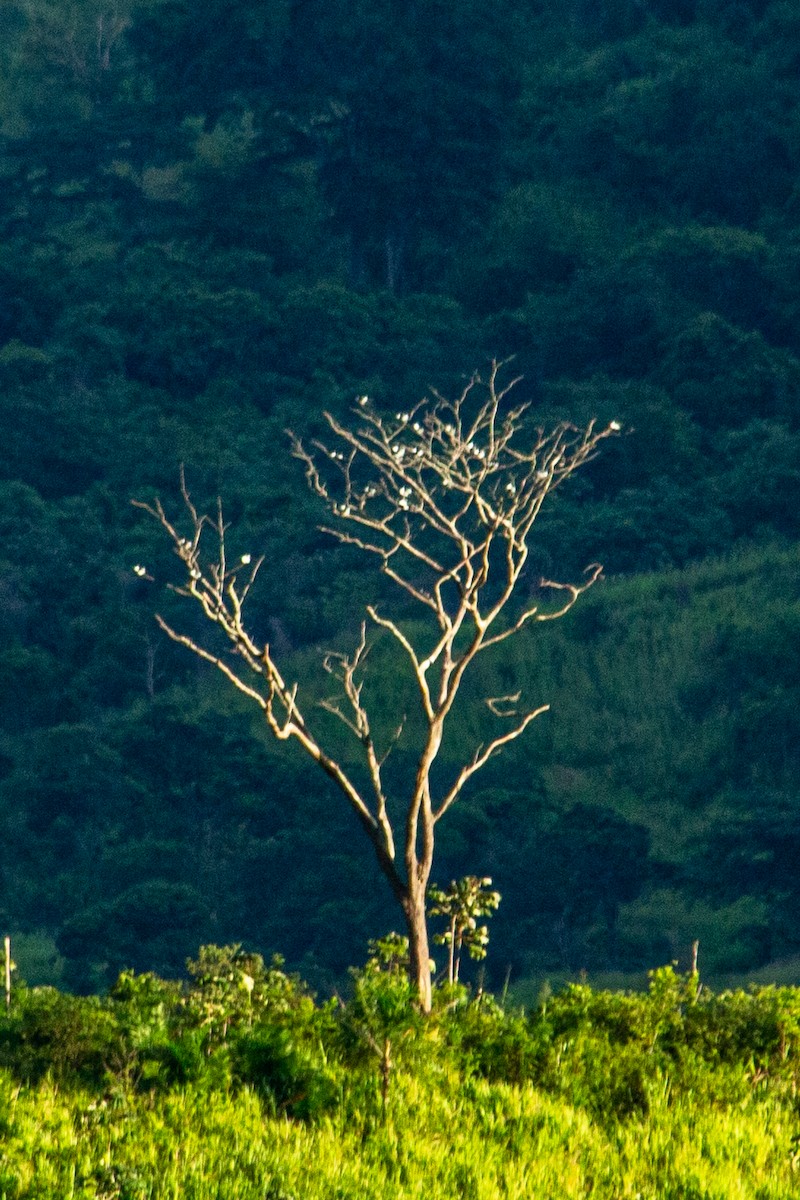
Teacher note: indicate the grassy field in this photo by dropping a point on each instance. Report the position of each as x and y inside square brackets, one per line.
[219, 1091]
[462, 1140]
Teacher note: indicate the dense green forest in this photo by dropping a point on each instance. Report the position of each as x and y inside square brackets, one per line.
[216, 223]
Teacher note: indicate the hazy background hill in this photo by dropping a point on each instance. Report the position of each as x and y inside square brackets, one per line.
[215, 224]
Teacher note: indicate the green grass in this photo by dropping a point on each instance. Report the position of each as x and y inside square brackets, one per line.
[213, 1092]
[465, 1141]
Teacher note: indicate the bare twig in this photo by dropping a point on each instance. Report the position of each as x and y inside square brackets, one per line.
[444, 496]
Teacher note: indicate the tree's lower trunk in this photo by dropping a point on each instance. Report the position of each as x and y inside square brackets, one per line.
[419, 951]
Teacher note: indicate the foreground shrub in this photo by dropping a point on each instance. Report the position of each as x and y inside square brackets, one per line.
[74, 1039]
[611, 1052]
[239, 1024]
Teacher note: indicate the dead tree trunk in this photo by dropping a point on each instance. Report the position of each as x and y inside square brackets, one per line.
[444, 497]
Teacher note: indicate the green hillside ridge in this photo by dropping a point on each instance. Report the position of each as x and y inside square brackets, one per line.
[633, 819]
[212, 231]
[673, 707]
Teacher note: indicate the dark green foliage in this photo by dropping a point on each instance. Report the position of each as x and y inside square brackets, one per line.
[151, 1034]
[148, 924]
[291, 1077]
[214, 228]
[74, 1039]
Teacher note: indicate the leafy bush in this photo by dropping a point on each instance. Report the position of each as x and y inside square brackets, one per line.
[615, 1055]
[612, 1052]
[73, 1039]
[291, 1077]
[233, 989]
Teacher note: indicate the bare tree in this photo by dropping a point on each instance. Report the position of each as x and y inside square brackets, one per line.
[444, 497]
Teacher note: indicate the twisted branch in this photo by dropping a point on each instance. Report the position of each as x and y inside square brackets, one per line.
[445, 497]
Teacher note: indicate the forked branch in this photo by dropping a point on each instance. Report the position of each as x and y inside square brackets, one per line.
[443, 497]
[221, 591]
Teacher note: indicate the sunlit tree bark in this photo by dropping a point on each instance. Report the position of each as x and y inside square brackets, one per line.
[444, 497]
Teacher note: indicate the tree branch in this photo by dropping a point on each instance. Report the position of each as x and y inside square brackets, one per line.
[445, 496]
[483, 754]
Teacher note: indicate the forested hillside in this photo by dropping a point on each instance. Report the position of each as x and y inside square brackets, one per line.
[217, 221]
